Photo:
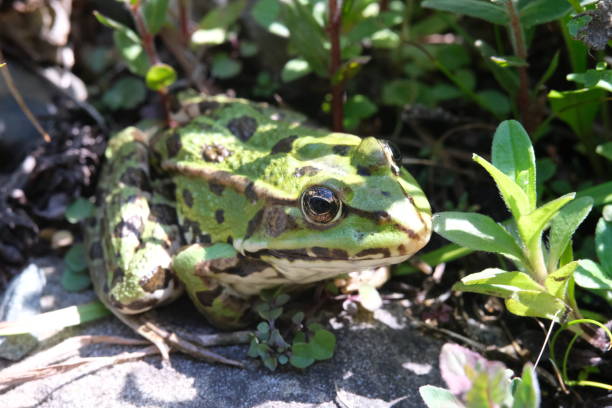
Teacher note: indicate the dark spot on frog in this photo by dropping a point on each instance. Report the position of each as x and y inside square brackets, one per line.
[158, 280]
[187, 198]
[139, 305]
[95, 250]
[401, 249]
[206, 297]
[249, 192]
[284, 145]
[247, 266]
[329, 253]
[207, 106]
[364, 171]
[374, 251]
[164, 213]
[118, 274]
[215, 153]
[254, 223]
[219, 216]
[385, 193]
[173, 145]
[341, 150]
[136, 177]
[276, 221]
[305, 171]
[243, 127]
[216, 189]
[230, 240]
[132, 225]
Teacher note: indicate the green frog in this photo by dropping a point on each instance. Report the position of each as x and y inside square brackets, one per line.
[242, 197]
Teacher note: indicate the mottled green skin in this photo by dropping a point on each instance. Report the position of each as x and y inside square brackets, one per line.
[214, 206]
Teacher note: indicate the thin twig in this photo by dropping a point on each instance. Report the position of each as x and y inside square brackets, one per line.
[6, 74]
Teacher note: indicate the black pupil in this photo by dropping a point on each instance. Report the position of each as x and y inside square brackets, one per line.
[395, 152]
[320, 205]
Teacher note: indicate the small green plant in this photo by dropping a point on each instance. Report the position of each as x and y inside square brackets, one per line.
[543, 284]
[311, 342]
[474, 382]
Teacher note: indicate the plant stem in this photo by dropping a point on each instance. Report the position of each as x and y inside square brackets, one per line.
[337, 84]
[520, 50]
[184, 9]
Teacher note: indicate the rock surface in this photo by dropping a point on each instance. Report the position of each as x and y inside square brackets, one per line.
[380, 363]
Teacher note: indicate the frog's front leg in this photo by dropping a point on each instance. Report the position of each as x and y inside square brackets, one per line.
[197, 266]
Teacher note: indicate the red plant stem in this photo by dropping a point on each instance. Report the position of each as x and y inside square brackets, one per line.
[523, 100]
[184, 21]
[337, 85]
[383, 5]
[148, 43]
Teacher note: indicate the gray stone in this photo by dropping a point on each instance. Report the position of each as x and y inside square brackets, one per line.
[379, 363]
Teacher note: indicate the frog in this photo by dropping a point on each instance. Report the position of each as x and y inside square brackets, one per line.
[241, 197]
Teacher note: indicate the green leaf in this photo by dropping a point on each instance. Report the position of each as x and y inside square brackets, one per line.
[385, 38]
[476, 231]
[75, 280]
[603, 244]
[497, 282]
[605, 150]
[129, 45]
[79, 210]
[535, 12]
[515, 198]
[358, 107]
[577, 23]
[512, 153]
[531, 226]
[563, 225]
[527, 392]
[590, 275]
[536, 304]
[126, 93]
[557, 282]
[577, 108]
[550, 70]
[224, 67]
[160, 76]
[495, 101]
[322, 345]
[76, 258]
[507, 78]
[485, 10]
[222, 17]
[593, 79]
[300, 355]
[601, 193]
[212, 36]
[294, 69]
[248, 49]
[266, 14]
[399, 92]
[154, 12]
[509, 61]
[436, 397]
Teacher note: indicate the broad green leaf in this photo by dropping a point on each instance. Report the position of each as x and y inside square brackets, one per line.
[535, 12]
[399, 92]
[212, 36]
[515, 198]
[577, 23]
[160, 76]
[436, 397]
[512, 153]
[126, 93]
[494, 101]
[593, 79]
[75, 258]
[223, 16]
[154, 12]
[531, 226]
[603, 244]
[357, 108]
[224, 67]
[577, 108]
[476, 231]
[294, 69]
[509, 61]
[557, 282]
[248, 49]
[605, 150]
[129, 45]
[497, 282]
[563, 225]
[322, 345]
[79, 210]
[301, 355]
[385, 38]
[601, 194]
[75, 280]
[536, 304]
[591, 275]
[527, 392]
[266, 13]
[483, 9]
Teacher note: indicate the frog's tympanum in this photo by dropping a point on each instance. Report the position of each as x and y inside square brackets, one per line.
[242, 197]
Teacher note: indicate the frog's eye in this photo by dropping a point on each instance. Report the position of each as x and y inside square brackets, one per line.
[320, 205]
[394, 151]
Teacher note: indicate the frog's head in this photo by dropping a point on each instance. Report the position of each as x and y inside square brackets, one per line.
[352, 207]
